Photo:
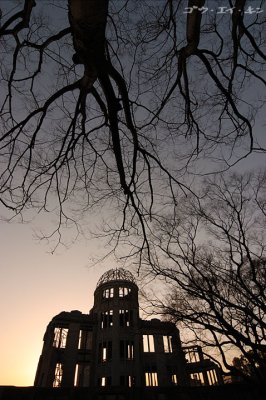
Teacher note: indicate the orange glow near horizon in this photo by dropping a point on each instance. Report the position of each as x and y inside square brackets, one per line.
[35, 286]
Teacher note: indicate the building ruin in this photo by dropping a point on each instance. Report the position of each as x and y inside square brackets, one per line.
[113, 347]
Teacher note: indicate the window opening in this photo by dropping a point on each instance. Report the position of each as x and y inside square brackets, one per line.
[85, 340]
[151, 378]
[148, 343]
[105, 351]
[77, 377]
[125, 317]
[212, 377]
[197, 379]
[127, 380]
[124, 291]
[82, 375]
[192, 354]
[60, 337]
[107, 319]
[174, 379]
[172, 374]
[167, 344]
[105, 381]
[126, 349]
[108, 293]
[58, 375]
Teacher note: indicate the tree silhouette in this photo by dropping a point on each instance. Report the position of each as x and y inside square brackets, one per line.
[212, 258]
[248, 369]
[117, 102]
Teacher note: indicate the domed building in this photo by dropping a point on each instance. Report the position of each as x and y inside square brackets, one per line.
[111, 346]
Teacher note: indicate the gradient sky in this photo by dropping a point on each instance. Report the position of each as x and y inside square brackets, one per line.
[35, 286]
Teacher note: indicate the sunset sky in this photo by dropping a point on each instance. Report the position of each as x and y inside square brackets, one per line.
[36, 283]
[34, 287]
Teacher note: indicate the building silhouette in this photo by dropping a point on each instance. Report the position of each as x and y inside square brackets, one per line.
[113, 347]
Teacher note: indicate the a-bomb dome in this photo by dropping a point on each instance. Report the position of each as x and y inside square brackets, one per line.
[116, 274]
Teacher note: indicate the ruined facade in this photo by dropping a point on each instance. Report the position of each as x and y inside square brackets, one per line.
[113, 347]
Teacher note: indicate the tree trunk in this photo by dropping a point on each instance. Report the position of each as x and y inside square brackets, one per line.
[88, 21]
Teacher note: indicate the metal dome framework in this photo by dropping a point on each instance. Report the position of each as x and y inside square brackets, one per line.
[116, 274]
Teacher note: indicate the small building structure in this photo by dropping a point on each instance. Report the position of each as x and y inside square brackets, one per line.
[113, 347]
[202, 371]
